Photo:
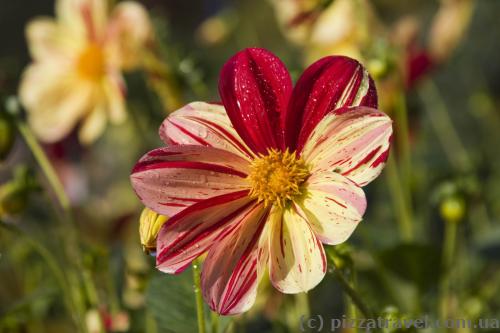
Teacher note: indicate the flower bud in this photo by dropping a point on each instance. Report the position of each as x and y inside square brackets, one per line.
[150, 224]
[452, 209]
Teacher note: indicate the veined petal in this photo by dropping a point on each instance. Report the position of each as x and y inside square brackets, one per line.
[204, 124]
[297, 260]
[195, 229]
[255, 88]
[235, 263]
[353, 142]
[169, 179]
[333, 205]
[329, 84]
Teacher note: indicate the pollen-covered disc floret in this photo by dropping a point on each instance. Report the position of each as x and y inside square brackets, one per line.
[277, 177]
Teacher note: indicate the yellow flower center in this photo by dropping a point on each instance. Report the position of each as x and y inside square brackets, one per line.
[91, 64]
[276, 178]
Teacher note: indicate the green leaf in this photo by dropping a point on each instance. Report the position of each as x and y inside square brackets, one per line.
[416, 263]
[171, 300]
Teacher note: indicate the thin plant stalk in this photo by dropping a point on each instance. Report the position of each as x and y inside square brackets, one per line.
[440, 120]
[357, 300]
[200, 307]
[214, 320]
[449, 248]
[352, 312]
[44, 164]
[398, 199]
[302, 304]
[150, 325]
[404, 149]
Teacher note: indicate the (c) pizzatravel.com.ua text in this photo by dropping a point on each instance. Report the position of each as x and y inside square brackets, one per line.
[318, 323]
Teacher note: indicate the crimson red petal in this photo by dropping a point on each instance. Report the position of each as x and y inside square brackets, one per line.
[329, 84]
[195, 229]
[255, 88]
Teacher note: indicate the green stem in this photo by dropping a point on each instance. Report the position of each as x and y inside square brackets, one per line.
[150, 323]
[214, 317]
[302, 304]
[69, 236]
[440, 120]
[56, 270]
[449, 246]
[398, 199]
[200, 307]
[403, 138]
[352, 293]
[45, 164]
[350, 306]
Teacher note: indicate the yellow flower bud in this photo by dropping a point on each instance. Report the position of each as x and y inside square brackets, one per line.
[149, 226]
[452, 209]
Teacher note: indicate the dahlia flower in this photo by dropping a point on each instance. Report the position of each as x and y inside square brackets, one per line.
[75, 77]
[263, 179]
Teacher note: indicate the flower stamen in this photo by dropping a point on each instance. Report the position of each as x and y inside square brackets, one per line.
[276, 178]
[91, 64]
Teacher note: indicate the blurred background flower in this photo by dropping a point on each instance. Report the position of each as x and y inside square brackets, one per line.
[75, 78]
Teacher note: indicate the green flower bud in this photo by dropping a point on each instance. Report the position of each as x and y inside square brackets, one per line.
[452, 209]
[377, 67]
[150, 224]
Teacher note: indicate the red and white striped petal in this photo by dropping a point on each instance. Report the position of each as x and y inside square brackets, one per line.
[333, 205]
[169, 179]
[203, 124]
[354, 142]
[329, 84]
[255, 88]
[297, 260]
[194, 230]
[234, 265]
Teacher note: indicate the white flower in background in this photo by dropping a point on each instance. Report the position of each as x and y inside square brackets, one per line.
[75, 78]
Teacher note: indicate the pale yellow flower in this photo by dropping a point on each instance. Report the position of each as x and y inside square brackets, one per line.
[76, 74]
[449, 27]
[343, 27]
